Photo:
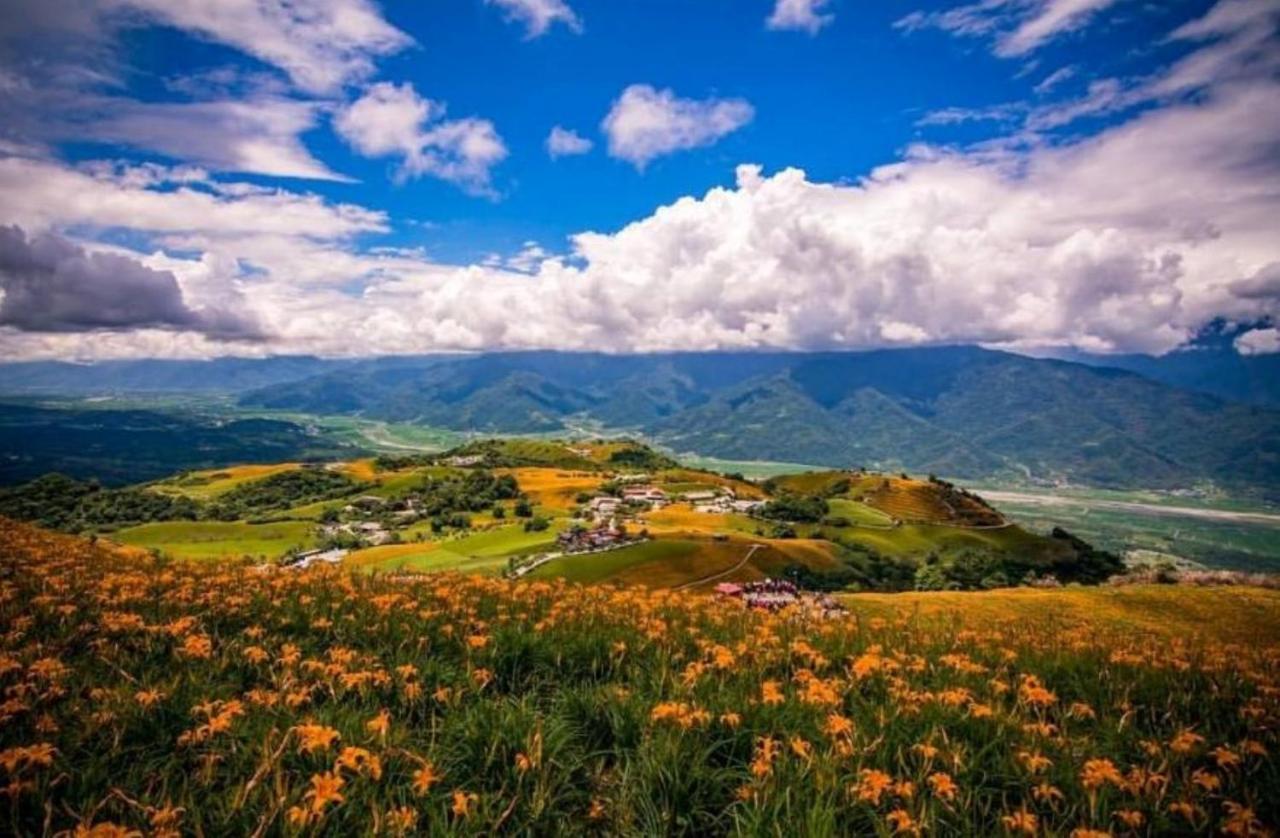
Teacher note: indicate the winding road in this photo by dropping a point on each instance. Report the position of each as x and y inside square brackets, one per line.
[713, 577]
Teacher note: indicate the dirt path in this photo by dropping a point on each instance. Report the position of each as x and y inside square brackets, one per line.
[1136, 506]
[713, 577]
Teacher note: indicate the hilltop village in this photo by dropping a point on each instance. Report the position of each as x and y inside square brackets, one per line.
[591, 511]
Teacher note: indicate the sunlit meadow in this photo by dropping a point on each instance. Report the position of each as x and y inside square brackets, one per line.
[156, 698]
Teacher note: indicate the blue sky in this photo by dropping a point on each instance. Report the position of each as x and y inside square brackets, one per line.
[413, 137]
[836, 103]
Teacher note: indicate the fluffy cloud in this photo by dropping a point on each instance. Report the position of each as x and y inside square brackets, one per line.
[804, 15]
[392, 120]
[563, 142]
[1259, 342]
[1017, 26]
[539, 15]
[53, 285]
[645, 123]
[320, 44]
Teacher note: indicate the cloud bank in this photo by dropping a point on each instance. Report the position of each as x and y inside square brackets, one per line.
[1131, 240]
[50, 284]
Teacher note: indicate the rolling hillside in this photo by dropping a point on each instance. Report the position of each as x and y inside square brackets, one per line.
[491, 505]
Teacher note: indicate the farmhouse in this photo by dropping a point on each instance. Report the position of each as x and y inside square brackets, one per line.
[645, 494]
[578, 540]
[603, 508]
[462, 461]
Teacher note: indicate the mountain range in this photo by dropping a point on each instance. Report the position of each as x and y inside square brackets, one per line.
[959, 411]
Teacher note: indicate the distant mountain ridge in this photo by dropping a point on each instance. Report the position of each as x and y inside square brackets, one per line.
[961, 411]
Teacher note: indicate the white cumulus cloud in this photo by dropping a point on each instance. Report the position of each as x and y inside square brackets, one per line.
[802, 15]
[564, 142]
[392, 120]
[645, 123]
[1259, 342]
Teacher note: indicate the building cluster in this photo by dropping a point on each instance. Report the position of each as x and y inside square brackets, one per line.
[307, 558]
[777, 594]
[634, 498]
[650, 496]
[367, 533]
[464, 460]
[719, 501]
[369, 519]
[600, 537]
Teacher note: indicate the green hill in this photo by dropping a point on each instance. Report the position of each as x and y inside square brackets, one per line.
[491, 502]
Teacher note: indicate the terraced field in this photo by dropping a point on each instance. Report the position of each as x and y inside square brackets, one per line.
[921, 501]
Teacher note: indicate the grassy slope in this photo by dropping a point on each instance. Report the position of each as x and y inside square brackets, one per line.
[484, 551]
[859, 513]
[218, 539]
[211, 483]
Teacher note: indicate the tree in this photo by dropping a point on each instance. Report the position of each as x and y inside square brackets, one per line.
[523, 508]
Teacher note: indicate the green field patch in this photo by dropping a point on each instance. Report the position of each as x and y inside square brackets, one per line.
[858, 513]
[658, 563]
[505, 541]
[753, 469]
[437, 560]
[219, 539]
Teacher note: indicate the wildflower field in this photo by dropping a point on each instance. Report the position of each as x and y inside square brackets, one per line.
[141, 696]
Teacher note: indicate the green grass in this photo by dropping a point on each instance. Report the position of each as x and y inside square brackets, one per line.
[483, 552]
[859, 513]
[505, 540]
[218, 539]
[916, 540]
[753, 469]
[598, 567]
